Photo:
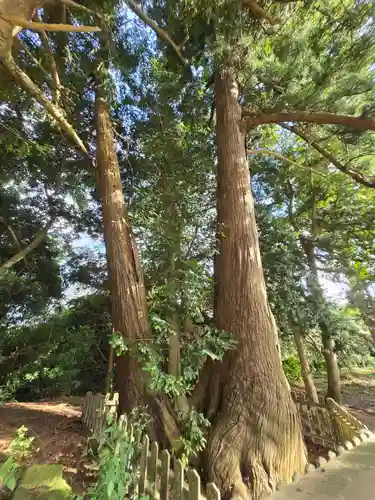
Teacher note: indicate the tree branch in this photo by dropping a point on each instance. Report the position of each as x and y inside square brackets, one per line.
[54, 72]
[253, 119]
[159, 31]
[55, 111]
[268, 152]
[74, 5]
[11, 232]
[39, 238]
[18, 21]
[345, 168]
[289, 192]
[256, 9]
[34, 59]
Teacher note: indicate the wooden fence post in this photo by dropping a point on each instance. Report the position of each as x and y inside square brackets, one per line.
[155, 477]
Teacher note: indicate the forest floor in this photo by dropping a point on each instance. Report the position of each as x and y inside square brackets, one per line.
[358, 394]
[59, 435]
[61, 438]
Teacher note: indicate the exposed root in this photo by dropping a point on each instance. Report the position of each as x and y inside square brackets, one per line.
[256, 442]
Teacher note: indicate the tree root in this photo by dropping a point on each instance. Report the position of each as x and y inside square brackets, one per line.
[255, 442]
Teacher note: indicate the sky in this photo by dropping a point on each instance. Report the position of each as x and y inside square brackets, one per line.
[334, 290]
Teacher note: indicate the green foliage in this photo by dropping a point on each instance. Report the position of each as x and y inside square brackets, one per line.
[292, 369]
[21, 446]
[65, 354]
[10, 472]
[194, 438]
[211, 344]
[319, 58]
[116, 457]
[19, 450]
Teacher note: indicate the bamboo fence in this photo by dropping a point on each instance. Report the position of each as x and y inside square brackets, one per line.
[159, 475]
[163, 477]
[327, 423]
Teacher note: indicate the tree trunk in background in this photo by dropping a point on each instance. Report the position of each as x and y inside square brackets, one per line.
[305, 368]
[109, 378]
[361, 298]
[255, 440]
[128, 295]
[329, 351]
[333, 372]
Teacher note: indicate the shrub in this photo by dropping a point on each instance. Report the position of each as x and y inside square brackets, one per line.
[292, 369]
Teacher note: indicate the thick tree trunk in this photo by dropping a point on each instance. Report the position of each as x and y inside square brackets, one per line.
[305, 368]
[255, 441]
[128, 295]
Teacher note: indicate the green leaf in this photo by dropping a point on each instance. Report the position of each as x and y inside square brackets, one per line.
[11, 482]
[110, 488]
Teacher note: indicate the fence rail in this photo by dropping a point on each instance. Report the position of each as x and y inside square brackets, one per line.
[160, 476]
[163, 477]
[327, 423]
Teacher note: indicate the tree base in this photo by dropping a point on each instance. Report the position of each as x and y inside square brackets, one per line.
[255, 441]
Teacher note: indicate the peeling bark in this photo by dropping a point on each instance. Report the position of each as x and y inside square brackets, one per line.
[128, 295]
[255, 441]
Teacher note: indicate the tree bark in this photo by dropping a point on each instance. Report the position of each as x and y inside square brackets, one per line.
[128, 295]
[109, 378]
[22, 9]
[355, 122]
[329, 352]
[307, 377]
[333, 372]
[255, 441]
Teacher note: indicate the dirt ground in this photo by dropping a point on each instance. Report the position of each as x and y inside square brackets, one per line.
[59, 434]
[359, 396]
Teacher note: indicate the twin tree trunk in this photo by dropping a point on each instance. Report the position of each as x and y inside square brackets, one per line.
[255, 439]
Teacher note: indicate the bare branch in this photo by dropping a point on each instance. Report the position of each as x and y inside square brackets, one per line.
[18, 21]
[54, 71]
[34, 59]
[361, 178]
[159, 31]
[74, 5]
[268, 152]
[54, 110]
[254, 119]
[256, 9]
[11, 232]
[24, 252]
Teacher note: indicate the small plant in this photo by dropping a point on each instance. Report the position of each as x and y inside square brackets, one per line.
[194, 438]
[19, 450]
[116, 456]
